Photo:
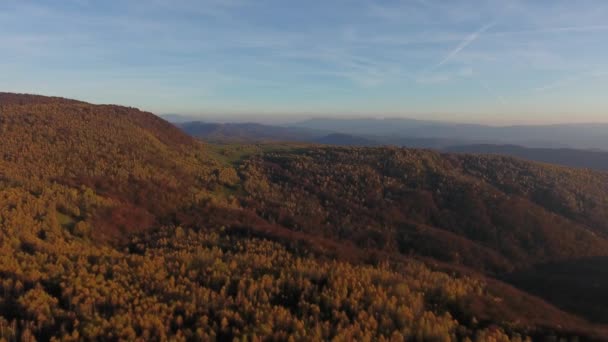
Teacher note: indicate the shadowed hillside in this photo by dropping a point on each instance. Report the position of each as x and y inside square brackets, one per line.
[583, 280]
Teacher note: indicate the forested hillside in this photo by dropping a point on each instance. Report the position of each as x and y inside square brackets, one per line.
[115, 225]
[490, 213]
[131, 166]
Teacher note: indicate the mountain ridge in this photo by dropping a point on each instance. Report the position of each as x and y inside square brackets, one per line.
[591, 159]
[258, 133]
[556, 135]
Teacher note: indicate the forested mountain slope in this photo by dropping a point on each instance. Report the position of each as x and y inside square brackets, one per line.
[490, 213]
[115, 225]
[129, 158]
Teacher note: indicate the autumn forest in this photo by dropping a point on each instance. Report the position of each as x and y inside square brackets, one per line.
[116, 225]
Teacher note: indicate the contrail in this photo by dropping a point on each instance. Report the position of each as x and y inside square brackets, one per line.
[466, 42]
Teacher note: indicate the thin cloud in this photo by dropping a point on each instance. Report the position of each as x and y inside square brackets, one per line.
[563, 29]
[440, 78]
[572, 79]
[466, 42]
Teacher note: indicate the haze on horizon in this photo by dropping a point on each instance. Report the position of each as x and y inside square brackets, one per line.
[493, 62]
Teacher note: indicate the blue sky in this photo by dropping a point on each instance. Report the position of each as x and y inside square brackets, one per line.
[495, 61]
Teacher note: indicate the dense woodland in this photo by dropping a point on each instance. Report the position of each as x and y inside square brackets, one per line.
[490, 213]
[115, 225]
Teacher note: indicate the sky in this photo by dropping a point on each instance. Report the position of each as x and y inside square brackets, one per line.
[493, 61]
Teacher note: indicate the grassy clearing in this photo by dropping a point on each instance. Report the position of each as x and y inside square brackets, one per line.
[233, 154]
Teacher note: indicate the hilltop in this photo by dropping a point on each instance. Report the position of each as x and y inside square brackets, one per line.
[133, 159]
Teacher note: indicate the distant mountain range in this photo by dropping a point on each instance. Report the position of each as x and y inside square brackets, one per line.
[251, 132]
[562, 156]
[329, 132]
[586, 136]
[424, 133]
[255, 132]
[178, 118]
